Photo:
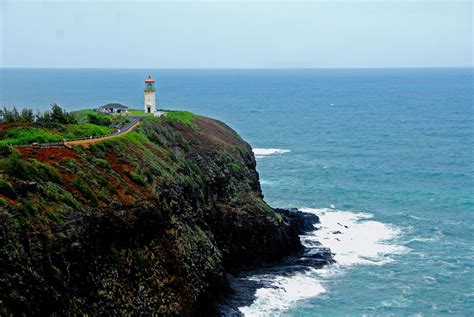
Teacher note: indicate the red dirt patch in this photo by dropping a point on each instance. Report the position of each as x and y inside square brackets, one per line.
[6, 126]
[122, 187]
[8, 200]
[49, 155]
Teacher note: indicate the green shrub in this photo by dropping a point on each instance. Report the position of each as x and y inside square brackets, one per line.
[71, 164]
[233, 167]
[120, 120]
[6, 189]
[137, 178]
[56, 215]
[80, 184]
[278, 216]
[102, 163]
[93, 117]
[44, 171]
[99, 149]
[78, 149]
[141, 259]
[99, 119]
[82, 116]
[32, 170]
[3, 202]
[55, 193]
[29, 207]
[5, 150]
[16, 223]
[15, 166]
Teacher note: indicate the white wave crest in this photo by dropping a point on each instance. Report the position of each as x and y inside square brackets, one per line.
[260, 152]
[354, 238]
[282, 293]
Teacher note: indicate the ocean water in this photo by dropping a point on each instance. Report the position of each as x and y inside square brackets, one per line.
[384, 157]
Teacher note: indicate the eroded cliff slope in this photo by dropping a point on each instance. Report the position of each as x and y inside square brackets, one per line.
[145, 223]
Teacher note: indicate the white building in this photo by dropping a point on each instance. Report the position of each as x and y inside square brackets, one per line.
[150, 103]
[113, 108]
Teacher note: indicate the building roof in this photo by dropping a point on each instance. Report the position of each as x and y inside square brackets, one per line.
[114, 106]
[149, 79]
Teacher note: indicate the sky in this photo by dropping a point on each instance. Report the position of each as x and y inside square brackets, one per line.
[236, 34]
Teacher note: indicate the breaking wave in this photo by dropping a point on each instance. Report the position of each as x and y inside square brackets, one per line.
[260, 152]
[354, 238]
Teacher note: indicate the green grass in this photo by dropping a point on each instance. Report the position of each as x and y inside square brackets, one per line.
[138, 113]
[84, 130]
[29, 134]
[185, 117]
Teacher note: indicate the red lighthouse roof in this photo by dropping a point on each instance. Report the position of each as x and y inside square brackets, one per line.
[149, 80]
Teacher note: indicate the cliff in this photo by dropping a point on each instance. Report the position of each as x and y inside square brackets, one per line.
[145, 223]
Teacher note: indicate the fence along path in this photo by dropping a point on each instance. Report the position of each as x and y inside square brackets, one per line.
[85, 142]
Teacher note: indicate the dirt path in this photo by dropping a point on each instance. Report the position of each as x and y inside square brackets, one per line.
[86, 142]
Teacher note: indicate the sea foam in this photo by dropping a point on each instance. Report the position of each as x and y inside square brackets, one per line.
[282, 292]
[260, 152]
[354, 238]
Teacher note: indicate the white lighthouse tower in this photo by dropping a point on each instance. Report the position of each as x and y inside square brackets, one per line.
[150, 103]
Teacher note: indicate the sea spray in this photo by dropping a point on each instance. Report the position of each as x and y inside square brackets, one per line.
[354, 239]
[260, 152]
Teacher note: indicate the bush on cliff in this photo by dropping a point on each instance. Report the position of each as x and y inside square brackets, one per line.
[6, 189]
[31, 170]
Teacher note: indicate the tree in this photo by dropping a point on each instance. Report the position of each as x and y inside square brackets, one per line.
[26, 115]
[58, 115]
[55, 117]
[8, 116]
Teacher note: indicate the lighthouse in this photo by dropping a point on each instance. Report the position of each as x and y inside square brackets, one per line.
[150, 104]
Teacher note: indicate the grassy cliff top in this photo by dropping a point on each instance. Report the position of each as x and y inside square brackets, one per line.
[22, 127]
[56, 125]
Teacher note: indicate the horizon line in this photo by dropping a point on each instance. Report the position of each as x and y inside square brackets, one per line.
[241, 68]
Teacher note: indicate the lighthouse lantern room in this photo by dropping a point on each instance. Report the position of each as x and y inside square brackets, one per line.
[150, 104]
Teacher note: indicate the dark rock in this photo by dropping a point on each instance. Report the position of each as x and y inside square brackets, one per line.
[317, 257]
[303, 221]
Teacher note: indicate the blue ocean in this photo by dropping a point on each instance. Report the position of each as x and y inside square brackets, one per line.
[385, 158]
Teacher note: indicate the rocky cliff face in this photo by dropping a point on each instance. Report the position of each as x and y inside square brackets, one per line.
[146, 223]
